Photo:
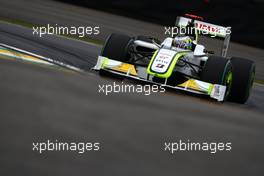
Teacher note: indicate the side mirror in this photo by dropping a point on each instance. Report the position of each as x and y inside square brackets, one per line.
[199, 50]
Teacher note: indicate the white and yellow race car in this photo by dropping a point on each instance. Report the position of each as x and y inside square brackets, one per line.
[180, 62]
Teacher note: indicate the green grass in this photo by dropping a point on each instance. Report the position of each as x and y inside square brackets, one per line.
[259, 81]
[31, 25]
[18, 22]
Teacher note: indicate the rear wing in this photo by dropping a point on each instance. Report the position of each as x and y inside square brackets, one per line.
[203, 28]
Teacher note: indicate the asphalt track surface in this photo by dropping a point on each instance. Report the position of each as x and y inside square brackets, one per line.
[39, 103]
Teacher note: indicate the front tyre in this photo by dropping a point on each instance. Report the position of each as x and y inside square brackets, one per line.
[116, 47]
[218, 70]
[243, 78]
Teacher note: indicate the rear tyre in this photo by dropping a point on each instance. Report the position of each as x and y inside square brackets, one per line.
[116, 48]
[218, 70]
[243, 78]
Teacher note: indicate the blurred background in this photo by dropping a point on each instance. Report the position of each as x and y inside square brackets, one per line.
[244, 16]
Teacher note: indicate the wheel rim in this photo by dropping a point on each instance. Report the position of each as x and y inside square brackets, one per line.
[252, 77]
[228, 83]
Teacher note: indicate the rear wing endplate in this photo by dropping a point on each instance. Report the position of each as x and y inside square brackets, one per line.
[204, 28]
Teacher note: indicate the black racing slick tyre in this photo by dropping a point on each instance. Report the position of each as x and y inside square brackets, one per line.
[243, 78]
[116, 47]
[218, 70]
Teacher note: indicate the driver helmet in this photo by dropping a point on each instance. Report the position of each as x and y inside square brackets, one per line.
[184, 42]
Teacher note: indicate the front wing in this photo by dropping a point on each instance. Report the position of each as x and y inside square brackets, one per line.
[215, 91]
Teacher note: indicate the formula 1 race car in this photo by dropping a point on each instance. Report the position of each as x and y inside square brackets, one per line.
[180, 62]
